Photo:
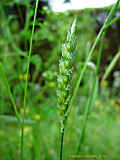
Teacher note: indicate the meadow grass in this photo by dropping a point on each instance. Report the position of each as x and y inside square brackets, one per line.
[91, 100]
[64, 92]
[21, 121]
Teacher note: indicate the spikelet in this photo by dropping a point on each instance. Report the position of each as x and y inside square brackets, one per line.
[65, 74]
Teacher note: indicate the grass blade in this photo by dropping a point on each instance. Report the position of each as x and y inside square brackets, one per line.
[5, 82]
[26, 85]
[88, 108]
[93, 95]
[111, 65]
[112, 22]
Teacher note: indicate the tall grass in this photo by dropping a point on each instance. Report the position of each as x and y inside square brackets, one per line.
[21, 121]
[27, 79]
[91, 100]
[92, 97]
[65, 97]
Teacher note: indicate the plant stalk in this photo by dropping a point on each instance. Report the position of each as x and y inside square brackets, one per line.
[26, 85]
[62, 140]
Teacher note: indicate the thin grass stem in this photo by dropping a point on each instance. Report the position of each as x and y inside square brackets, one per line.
[112, 22]
[92, 97]
[61, 142]
[100, 53]
[88, 107]
[26, 85]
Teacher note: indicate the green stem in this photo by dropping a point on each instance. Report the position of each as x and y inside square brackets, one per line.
[26, 85]
[112, 22]
[88, 107]
[111, 65]
[92, 97]
[61, 145]
[100, 53]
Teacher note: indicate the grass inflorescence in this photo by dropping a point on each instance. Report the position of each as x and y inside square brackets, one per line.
[64, 78]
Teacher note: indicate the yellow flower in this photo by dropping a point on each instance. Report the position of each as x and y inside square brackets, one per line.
[26, 129]
[21, 110]
[51, 84]
[27, 110]
[97, 103]
[25, 76]
[37, 117]
[20, 76]
[104, 83]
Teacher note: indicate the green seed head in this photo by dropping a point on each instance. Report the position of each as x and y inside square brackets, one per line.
[65, 51]
[65, 72]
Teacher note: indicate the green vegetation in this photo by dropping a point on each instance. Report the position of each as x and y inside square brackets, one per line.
[88, 98]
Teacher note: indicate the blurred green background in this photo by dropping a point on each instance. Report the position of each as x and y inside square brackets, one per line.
[42, 138]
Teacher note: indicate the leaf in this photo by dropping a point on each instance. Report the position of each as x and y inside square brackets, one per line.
[5, 82]
[111, 65]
